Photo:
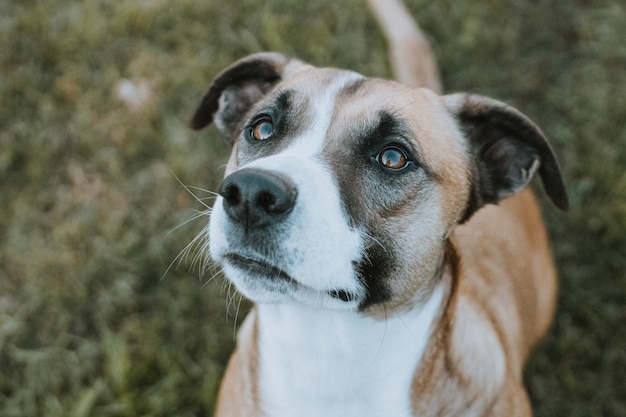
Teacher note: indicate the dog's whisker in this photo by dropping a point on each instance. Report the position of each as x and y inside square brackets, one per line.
[201, 258]
[204, 266]
[182, 255]
[227, 287]
[212, 194]
[197, 246]
[189, 247]
[232, 295]
[378, 242]
[204, 190]
[237, 315]
[209, 280]
[369, 237]
[189, 190]
[198, 214]
[204, 250]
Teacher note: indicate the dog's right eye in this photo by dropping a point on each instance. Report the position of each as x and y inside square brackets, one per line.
[262, 129]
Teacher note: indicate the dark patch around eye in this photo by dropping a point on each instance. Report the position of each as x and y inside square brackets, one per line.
[352, 156]
[392, 130]
[287, 116]
[388, 126]
[277, 111]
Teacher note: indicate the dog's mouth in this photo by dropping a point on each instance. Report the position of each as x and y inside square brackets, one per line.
[259, 267]
[262, 269]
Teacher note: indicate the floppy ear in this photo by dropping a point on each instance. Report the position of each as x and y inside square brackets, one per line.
[507, 149]
[237, 88]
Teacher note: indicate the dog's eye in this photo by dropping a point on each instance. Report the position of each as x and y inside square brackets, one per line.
[262, 130]
[393, 158]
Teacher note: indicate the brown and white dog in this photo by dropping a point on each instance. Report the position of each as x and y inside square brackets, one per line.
[360, 216]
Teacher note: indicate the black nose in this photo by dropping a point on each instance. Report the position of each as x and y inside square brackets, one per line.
[256, 198]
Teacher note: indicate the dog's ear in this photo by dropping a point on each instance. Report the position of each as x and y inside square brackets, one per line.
[507, 149]
[238, 87]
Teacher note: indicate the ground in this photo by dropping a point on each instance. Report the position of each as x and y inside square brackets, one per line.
[95, 98]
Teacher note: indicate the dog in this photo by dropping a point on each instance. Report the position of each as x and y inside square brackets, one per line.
[397, 262]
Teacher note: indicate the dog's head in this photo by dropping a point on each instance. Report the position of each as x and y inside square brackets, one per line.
[342, 190]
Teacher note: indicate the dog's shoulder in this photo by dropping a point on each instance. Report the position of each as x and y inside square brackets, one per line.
[506, 268]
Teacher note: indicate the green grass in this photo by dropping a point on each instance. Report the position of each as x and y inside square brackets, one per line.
[90, 322]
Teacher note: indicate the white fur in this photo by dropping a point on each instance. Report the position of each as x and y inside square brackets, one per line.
[319, 248]
[340, 364]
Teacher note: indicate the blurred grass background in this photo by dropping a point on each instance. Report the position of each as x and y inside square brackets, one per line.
[94, 102]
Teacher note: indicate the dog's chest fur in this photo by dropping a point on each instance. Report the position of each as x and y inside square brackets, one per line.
[335, 364]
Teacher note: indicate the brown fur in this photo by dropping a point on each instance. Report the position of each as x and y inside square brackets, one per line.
[238, 395]
[512, 283]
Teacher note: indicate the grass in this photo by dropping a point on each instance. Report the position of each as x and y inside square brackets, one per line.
[92, 322]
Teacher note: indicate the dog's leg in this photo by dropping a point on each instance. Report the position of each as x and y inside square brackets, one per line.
[411, 57]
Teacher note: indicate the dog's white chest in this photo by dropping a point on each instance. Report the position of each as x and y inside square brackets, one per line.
[339, 364]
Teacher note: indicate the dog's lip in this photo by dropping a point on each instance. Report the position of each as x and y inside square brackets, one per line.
[259, 267]
[269, 271]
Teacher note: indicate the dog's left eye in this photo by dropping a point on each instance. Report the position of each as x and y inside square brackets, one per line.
[393, 158]
[262, 130]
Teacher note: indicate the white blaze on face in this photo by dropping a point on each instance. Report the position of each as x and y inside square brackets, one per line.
[318, 247]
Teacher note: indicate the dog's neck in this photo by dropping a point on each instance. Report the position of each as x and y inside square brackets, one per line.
[335, 363]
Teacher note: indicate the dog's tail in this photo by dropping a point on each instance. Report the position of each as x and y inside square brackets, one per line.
[412, 59]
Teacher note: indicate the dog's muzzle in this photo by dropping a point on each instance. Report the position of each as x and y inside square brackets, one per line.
[256, 198]
[276, 244]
